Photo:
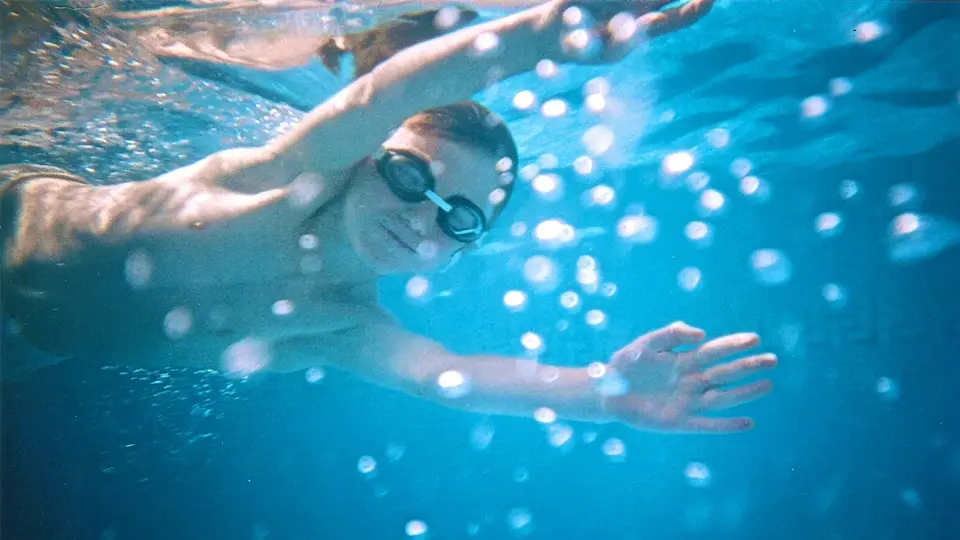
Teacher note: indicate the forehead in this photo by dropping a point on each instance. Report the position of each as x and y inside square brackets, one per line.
[460, 169]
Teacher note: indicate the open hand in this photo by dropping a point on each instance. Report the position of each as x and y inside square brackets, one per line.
[668, 389]
[604, 31]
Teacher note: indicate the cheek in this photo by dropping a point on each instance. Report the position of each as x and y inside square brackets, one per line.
[438, 251]
[369, 200]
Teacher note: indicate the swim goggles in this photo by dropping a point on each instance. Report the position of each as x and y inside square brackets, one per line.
[410, 179]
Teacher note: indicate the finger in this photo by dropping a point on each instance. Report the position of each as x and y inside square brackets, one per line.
[671, 20]
[673, 335]
[739, 369]
[605, 10]
[700, 424]
[718, 400]
[721, 347]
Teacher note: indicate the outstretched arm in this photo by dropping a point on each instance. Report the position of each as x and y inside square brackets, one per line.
[386, 355]
[450, 68]
[351, 124]
[648, 385]
[453, 67]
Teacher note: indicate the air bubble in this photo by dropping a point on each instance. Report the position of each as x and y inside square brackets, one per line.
[887, 389]
[570, 301]
[486, 43]
[814, 107]
[678, 163]
[840, 86]
[532, 342]
[305, 189]
[416, 529]
[595, 318]
[282, 307]
[848, 189]
[481, 436]
[699, 233]
[308, 242]
[638, 229]
[520, 475]
[560, 436]
[138, 268]
[546, 69]
[177, 323]
[718, 137]
[697, 181]
[417, 288]
[453, 384]
[598, 140]
[834, 294]
[602, 195]
[515, 300]
[548, 186]
[622, 27]
[581, 44]
[553, 108]
[583, 165]
[524, 100]
[868, 31]
[755, 189]
[697, 474]
[541, 273]
[829, 224]
[545, 415]
[315, 375]
[770, 267]
[740, 167]
[366, 465]
[446, 18]
[711, 202]
[520, 522]
[245, 357]
[689, 278]
[615, 450]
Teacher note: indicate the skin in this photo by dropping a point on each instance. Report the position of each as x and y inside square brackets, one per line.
[222, 241]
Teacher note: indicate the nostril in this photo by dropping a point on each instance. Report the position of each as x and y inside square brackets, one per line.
[418, 225]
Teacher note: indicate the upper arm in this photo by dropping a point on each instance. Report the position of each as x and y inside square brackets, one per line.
[381, 353]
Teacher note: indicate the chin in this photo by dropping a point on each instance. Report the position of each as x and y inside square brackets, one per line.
[375, 256]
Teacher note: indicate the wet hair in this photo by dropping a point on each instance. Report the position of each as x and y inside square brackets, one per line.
[372, 47]
[472, 124]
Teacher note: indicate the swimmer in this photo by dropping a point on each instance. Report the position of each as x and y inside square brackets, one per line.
[267, 258]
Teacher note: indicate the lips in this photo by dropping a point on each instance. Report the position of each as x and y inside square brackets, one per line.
[397, 233]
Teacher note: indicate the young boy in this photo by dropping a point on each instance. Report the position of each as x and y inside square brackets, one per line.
[267, 258]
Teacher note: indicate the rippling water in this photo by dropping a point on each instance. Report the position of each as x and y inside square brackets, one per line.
[140, 86]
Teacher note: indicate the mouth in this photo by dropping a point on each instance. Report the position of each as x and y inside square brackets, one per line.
[397, 238]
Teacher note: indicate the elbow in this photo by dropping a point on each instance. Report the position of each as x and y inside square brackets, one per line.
[439, 377]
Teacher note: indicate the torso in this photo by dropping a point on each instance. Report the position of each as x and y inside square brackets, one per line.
[182, 293]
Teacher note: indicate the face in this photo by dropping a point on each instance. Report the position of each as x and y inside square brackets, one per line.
[392, 235]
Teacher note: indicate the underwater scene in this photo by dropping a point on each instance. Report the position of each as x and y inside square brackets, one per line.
[502, 269]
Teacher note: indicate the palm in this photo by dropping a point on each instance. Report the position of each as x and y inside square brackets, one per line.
[668, 389]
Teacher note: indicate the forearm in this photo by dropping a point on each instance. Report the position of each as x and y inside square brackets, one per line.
[386, 355]
[517, 387]
[458, 65]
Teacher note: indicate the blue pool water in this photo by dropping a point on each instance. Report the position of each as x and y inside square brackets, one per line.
[787, 168]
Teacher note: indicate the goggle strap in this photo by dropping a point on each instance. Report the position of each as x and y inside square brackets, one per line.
[438, 200]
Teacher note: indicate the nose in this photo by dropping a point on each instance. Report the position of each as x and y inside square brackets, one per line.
[414, 218]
